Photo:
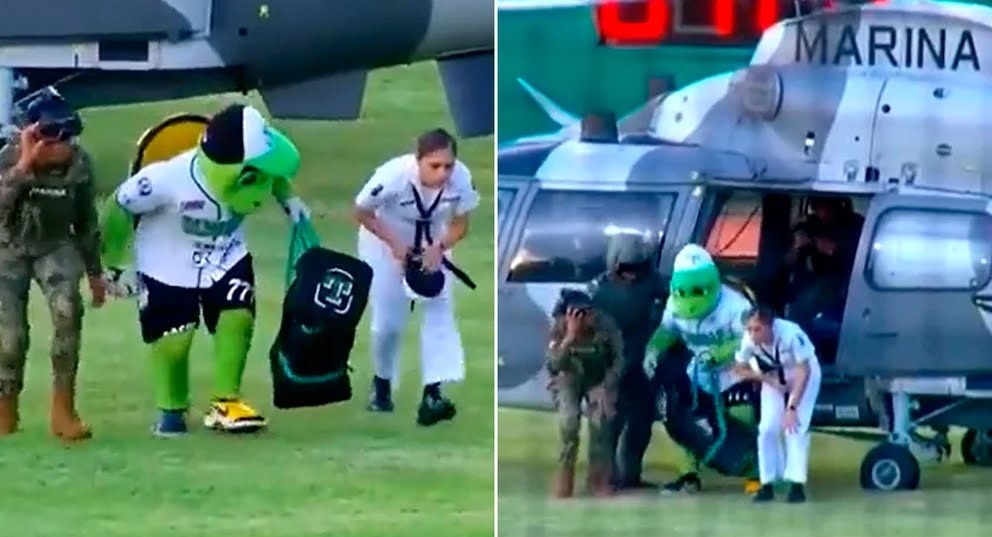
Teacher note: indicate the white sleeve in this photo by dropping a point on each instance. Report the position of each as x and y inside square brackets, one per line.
[802, 347]
[468, 195]
[380, 189]
[746, 351]
[143, 192]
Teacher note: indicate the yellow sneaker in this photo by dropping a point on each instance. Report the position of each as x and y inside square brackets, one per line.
[233, 416]
[752, 486]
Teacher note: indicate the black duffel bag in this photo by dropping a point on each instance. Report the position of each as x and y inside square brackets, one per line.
[324, 303]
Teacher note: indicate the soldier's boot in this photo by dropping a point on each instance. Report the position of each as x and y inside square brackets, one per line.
[564, 484]
[9, 416]
[598, 481]
[65, 421]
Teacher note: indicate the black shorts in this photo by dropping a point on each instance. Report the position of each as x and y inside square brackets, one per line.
[166, 309]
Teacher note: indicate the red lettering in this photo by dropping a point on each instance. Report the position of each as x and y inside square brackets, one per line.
[644, 22]
[766, 14]
[724, 17]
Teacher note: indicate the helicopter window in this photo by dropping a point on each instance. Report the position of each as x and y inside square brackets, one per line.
[504, 197]
[567, 232]
[737, 230]
[928, 249]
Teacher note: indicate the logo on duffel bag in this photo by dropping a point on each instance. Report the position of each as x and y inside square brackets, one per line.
[335, 291]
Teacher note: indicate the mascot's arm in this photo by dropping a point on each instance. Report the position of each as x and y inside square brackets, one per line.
[117, 230]
[294, 206]
[142, 193]
[666, 335]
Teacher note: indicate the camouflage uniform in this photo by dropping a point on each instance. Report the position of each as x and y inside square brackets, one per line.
[49, 234]
[592, 360]
[636, 306]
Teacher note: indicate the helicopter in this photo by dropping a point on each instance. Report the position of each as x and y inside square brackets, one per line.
[309, 59]
[882, 106]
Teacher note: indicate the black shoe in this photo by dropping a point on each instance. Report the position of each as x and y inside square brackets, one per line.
[685, 483]
[435, 409]
[380, 400]
[765, 494]
[797, 493]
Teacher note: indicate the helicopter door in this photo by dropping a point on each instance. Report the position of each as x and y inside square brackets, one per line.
[560, 241]
[920, 301]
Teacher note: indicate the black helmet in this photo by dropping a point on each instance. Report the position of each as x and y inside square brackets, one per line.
[571, 298]
[421, 284]
[55, 118]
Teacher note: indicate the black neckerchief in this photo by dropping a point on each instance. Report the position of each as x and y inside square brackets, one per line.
[422, 227]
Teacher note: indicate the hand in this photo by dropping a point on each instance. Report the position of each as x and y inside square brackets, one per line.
[117, 284]
[296, 209]
[800, 240]
[31, 145]
[98, 288]
[790, 421]
[650, 365]
[600, 402]
[433, 255]
[573, 322]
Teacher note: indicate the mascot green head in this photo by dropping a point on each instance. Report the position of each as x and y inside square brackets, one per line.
[695, 286]
[244, 159]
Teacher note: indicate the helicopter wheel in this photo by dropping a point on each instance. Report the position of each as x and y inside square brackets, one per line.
[976, 447]
[890, 467]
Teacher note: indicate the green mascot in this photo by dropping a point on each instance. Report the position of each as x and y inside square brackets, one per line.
[182, 219]
[707, 316]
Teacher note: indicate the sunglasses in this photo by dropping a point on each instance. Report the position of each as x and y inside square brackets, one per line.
[60, 131]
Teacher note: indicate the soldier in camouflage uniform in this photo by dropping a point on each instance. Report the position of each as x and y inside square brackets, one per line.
[48, 233]
[585, 355]
[633, 295]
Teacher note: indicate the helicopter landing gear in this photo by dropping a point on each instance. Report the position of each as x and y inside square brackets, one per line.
[976, 447]
[891, 466]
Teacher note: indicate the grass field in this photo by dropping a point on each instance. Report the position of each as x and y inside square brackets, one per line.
[330, 471]
[953, 500]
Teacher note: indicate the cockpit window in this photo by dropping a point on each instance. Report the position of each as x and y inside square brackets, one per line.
[926, 249]
[504, 197]
[567, 232]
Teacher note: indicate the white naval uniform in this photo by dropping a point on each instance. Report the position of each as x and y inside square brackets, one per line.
[784, 455]
[185, 237]
[389, 192]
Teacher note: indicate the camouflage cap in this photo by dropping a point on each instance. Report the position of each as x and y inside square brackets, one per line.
[571, 298]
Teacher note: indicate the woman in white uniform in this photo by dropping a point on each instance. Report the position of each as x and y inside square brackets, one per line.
[778, 353]
[424, 196]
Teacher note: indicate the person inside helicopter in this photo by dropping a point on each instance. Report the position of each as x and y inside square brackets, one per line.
[820, 265]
